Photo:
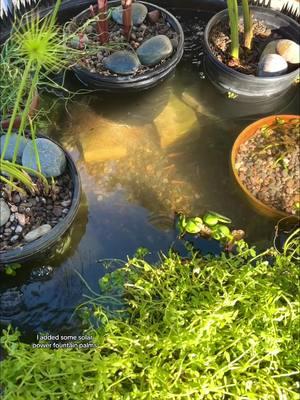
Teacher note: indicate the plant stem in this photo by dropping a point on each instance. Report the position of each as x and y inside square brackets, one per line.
[16, 107]
[248, 25]
[127, 17]
[102, 25]
[234, 27]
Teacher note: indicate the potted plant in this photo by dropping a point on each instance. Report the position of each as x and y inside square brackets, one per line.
[252, 53]
[127, 45]
[39, 184]
[265, 163]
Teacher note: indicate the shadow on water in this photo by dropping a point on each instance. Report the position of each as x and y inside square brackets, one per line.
[141, 159]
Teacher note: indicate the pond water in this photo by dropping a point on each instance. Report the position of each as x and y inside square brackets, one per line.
[141, 158]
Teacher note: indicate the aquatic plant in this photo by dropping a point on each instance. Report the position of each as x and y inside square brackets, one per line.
[233, 13]
[34, 49]
[201, 328]
[212, 225]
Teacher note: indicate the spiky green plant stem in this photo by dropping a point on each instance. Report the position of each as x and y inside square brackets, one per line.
[248, 24]
[234, 27]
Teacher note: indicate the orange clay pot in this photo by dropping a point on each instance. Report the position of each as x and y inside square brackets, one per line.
[246, 134]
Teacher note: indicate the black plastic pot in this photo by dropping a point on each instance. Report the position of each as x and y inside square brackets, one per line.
[43, 245]
[251, 88]
[145, 81]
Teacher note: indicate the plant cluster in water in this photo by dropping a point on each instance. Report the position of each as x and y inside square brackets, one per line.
[197, 328]
[212, 225]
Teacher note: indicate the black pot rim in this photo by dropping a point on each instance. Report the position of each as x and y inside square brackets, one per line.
[30, 250]
[222, 14]
[166, 66]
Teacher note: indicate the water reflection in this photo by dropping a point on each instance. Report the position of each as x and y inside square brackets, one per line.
[141, 159]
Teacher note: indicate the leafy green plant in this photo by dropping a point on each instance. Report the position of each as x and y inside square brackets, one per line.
[212, 225]
[233, 13]
[198, 328]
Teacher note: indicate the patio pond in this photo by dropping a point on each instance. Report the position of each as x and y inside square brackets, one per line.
[141, 158]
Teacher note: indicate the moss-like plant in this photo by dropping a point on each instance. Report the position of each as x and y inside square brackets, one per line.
[211, 328]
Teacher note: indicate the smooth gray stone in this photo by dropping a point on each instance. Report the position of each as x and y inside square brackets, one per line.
[154, 50]
[4, 212]
[11, 147]
[122, 62]
[52, 158]
[37, 233]
[272, 65]
[139, 13]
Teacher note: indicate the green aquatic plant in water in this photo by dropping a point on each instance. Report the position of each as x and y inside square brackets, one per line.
[210, 328]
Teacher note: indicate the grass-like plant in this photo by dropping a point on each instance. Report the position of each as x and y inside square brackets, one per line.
[198, 328]
[233, 13]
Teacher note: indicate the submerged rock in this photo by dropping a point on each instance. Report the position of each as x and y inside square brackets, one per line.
[11, 146]
[122, 62]
[154, 50]
[52, 158]
[289, 50]
[4, 212]
[175, 121]
[139, 13]
[11, 302]
[37, 233]
[272, 65]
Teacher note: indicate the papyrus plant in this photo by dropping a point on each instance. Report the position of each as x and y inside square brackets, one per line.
[233, 13]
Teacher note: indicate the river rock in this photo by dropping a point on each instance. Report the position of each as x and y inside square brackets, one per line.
[289, 50]
[4, 212]
[52, 158]
[270, 48]
[154, 50]
[272, 65]
[174, 122]
[139, 13]
[11, 146]
[37, 233]
[122, 62]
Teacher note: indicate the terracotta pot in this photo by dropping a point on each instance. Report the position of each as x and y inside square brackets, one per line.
[245, 135]
[33, 110]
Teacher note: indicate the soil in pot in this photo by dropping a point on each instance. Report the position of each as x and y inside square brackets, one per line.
[251, 62]
[26, 216]
[151, 42]
[268, 165]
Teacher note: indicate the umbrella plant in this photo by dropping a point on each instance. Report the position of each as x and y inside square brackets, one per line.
[34, 49]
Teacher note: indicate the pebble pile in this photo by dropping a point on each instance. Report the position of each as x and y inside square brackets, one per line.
[268, 165]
